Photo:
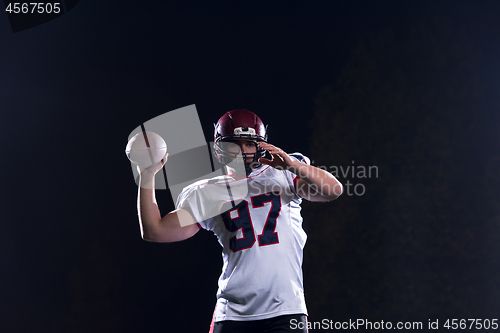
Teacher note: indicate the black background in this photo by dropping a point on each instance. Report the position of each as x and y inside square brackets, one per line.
[422, 242]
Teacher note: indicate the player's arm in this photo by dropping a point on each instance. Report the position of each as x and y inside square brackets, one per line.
[313, 184]
[154, 227]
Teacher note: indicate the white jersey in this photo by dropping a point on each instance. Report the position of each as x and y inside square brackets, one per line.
[262, 239]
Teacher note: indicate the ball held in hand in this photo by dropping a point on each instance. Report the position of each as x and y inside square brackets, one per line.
[146, 149]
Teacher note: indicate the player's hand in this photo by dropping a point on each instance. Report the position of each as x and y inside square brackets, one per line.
[279, 159]
[152, 170]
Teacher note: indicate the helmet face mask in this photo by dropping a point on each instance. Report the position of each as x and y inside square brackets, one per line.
[230, 151]
[234, 126]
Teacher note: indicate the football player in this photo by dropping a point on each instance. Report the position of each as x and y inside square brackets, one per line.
[254, 210]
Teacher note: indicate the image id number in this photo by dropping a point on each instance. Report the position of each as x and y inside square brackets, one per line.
[471, 324]
[33, 8]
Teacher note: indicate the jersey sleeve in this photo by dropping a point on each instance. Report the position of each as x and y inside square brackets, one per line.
[290, 176]
[190, 200]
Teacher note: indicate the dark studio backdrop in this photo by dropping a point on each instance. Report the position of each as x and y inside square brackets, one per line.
[403, 94]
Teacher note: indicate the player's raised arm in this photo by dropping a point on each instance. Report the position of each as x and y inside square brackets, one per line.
[153, 227]
[313, 184]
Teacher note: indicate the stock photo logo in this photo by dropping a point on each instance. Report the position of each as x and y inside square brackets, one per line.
[352, 176]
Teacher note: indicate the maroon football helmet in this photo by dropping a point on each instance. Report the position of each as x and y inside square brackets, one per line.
[237, 125]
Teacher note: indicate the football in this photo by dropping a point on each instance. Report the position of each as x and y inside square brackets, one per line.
[146, 149]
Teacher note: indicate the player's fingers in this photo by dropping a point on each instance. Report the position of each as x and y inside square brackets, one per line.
[273, 151]
[158, 165]
[265, 145]
[278, 154]
[153, 169]
[265, 161]
[279, 157]
[164, 159]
